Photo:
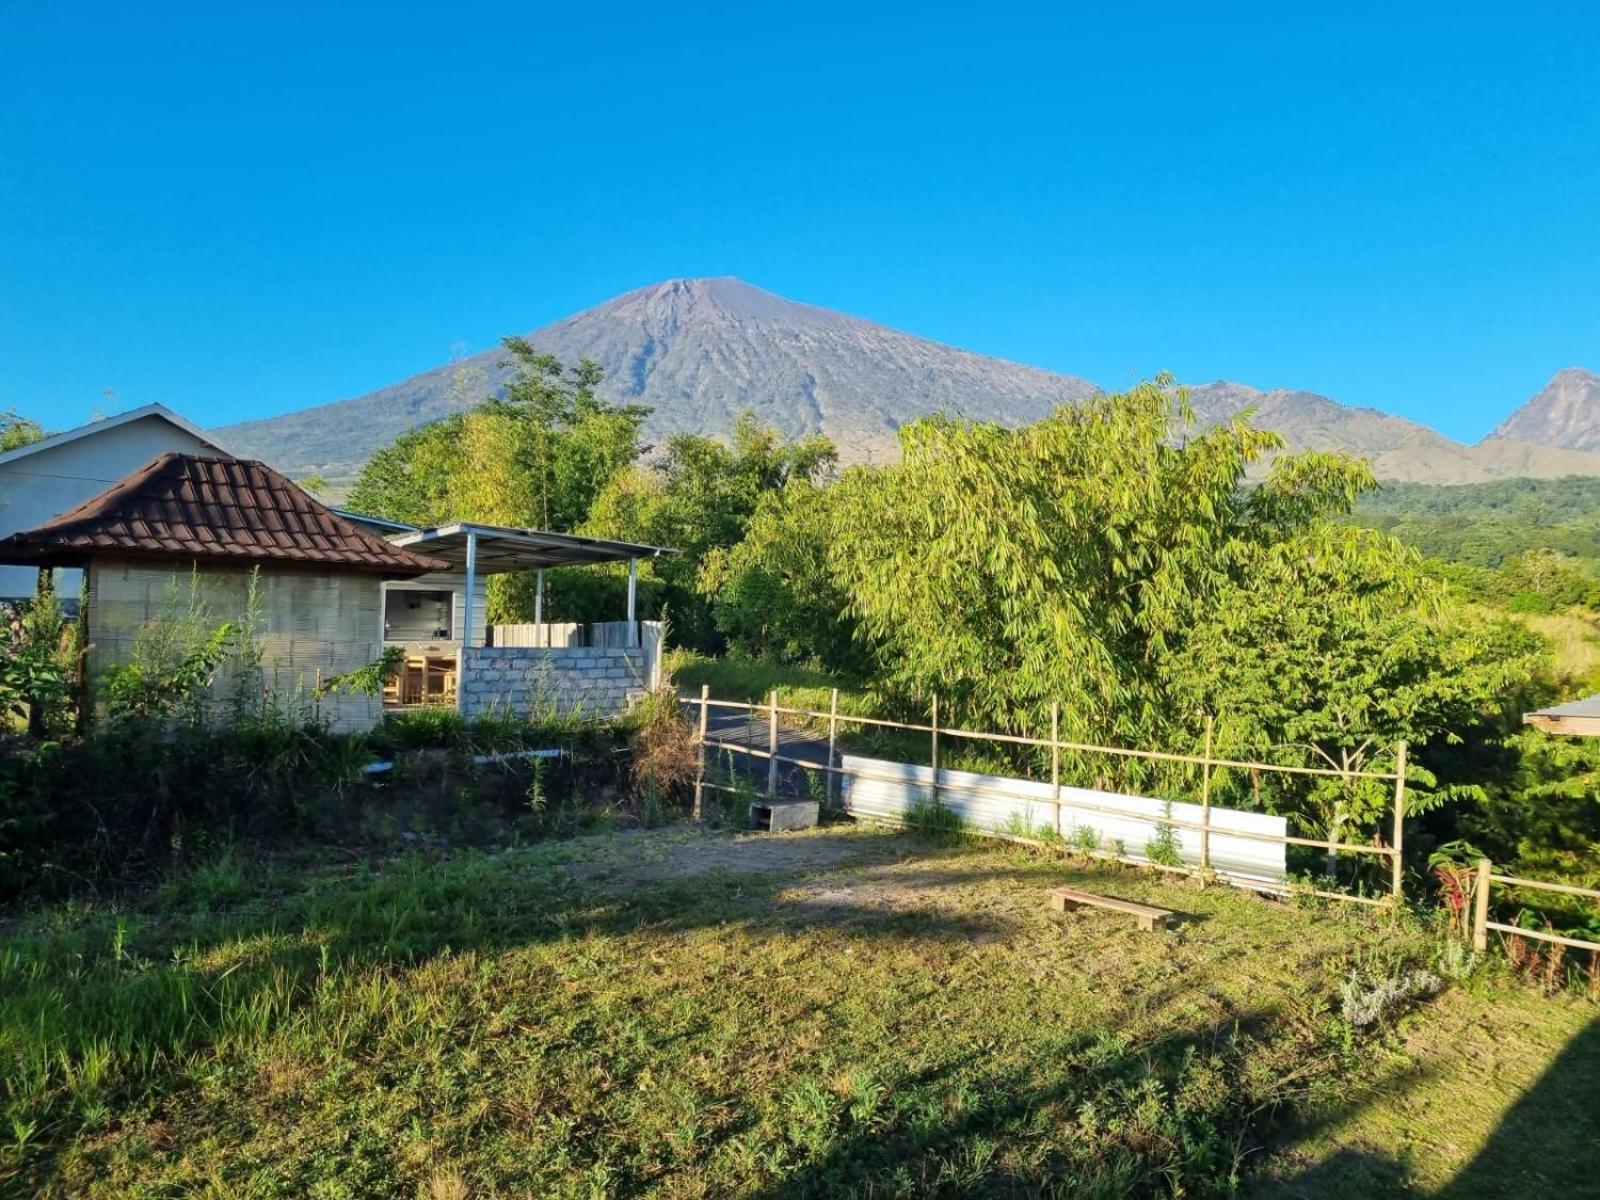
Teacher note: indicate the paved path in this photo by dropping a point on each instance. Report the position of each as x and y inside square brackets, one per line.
[747, 727]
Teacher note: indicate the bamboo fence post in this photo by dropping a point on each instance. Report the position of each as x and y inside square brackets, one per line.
[700, 755]
[1480, 908]
[1399, 814]
[1055, 760]
[933, 735]
[772, 747]
[1205, 802]
[833, 745]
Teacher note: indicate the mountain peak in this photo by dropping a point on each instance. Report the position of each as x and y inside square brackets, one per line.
[714, 297]
[699, 352]
[1565, 412]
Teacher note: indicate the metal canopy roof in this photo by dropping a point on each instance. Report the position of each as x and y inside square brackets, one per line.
[1581, 717]
[501, 548]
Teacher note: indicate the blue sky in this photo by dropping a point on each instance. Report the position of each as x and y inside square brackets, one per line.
[242, 210]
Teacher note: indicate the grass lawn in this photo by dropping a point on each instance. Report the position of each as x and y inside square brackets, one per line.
[690, 1013]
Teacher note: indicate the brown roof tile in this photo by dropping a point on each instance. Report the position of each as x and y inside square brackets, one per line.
[211, 508]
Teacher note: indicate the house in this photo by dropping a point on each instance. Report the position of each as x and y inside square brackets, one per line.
[59, 472]
[190, 533]
[332, 591]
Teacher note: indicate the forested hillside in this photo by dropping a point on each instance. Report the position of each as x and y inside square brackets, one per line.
[1529, 545]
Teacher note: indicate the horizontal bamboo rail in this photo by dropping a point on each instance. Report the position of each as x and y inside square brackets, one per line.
[1539, 935]
[1047, 743]
[1482, 925]
[1566, 888]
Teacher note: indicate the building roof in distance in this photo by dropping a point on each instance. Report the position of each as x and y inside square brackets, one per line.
[501, 548]
[185, 506]
[1580, 717]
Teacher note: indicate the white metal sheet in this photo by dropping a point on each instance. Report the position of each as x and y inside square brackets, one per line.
[874, 787]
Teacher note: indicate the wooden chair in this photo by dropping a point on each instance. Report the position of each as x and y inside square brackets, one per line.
[414, 680]
[440, 682]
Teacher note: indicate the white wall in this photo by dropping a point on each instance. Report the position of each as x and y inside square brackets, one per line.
[48, 482]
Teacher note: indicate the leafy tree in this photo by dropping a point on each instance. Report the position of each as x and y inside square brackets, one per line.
[1105, 559]
[697, 499]
[773, 593]
[1006, 568]
[17, 431]
[412, 479]
[1545, 816]
[1328, 648]
[536, 456]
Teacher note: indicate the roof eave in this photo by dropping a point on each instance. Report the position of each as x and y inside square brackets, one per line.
[68, 436]
[30, 554]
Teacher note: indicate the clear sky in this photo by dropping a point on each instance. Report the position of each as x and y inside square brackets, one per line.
[239, 210]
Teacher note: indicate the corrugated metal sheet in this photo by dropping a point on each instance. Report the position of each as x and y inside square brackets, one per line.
[874, 787]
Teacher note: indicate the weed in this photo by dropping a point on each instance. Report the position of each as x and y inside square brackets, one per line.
[931, 817]
[1164, 847]
[666, 749]
[1371, 995]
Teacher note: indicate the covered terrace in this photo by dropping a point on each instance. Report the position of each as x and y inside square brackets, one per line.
[452, 653]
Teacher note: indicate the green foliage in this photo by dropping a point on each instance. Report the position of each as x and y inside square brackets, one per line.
[176, 658]
[1006, 568]
[699, 499]
[773, 594]
[17, 431]
[931, 817]
[367, 680]
[33, 677]
[1329, 649]
[536, 456]
[1543, 814]
[1164, 847]
[1537, 503]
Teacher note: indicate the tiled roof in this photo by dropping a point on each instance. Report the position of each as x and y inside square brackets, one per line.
[191, 507]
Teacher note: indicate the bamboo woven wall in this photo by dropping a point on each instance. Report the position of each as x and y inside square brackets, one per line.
[311, 625]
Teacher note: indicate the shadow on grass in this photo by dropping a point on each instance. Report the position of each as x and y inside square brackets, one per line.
[1143, 1120]
[1545, 1145]
[1548, 1142]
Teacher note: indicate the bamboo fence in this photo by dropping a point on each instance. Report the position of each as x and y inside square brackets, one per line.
[1207, 763]
[1482, 925]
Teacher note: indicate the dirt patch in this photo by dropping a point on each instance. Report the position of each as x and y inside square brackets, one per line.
[943, 884]
[643, 856]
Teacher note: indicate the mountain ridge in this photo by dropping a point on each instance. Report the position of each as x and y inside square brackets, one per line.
[700, 351]
[1564, 413]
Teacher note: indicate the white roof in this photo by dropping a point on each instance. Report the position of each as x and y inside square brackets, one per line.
[133, 414]
[501, 548]
[1588, 706]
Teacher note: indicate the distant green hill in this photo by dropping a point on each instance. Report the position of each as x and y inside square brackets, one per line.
[1484, 524]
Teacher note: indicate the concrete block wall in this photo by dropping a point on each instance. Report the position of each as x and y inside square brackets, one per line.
[312, 624]
[591, 681]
